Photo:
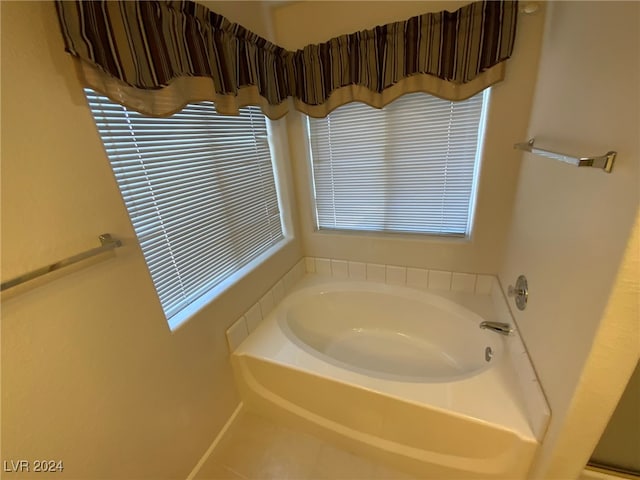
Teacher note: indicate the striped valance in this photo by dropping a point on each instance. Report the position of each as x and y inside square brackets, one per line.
[157, 56]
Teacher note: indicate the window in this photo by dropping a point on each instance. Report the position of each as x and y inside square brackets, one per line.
[411, 167]
[201, 194]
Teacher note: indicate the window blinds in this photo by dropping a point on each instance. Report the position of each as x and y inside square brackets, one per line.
[199, 188]
[410, 167]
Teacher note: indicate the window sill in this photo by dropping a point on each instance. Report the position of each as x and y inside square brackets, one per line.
[420, 237]
[197, 305]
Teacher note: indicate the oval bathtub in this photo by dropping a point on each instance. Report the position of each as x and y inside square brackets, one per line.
[389, 332]
[392, 372]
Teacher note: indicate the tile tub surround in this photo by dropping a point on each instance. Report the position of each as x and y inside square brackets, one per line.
[402, 275]
[533, 395]
[248, 322]
[480, 293]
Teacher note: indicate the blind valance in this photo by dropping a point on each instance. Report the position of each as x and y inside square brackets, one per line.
[157, 56]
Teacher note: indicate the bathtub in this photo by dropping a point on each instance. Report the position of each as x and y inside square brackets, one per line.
[403, 375]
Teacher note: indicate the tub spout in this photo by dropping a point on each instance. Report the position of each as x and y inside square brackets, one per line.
[499, 327]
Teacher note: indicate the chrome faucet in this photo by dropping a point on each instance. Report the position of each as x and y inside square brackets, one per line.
[498, 327]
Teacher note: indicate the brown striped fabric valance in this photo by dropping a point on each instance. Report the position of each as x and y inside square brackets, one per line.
[157, 56]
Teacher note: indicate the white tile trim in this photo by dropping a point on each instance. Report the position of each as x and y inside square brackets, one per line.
[339, 268]
[396, 275]
[484, 284]
[323, 266]
[440, 280]
[468, 282]
[310, 264]
[418, 278]
[357, 270]
[376, 272]
[253, 316]
[535, 402]
[266, 304]
[278, 292]
[236, 333]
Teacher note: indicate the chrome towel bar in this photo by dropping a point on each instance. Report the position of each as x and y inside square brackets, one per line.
[605, 162]
[106, 243]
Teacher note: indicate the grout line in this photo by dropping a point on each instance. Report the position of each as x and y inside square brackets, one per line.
[215, 442]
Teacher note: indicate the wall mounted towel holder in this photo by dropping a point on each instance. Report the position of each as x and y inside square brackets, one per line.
[605, 162]
[106, 243]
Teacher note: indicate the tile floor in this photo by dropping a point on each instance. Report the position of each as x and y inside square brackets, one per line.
[257, 448]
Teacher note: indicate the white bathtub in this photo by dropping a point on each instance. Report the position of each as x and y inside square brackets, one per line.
[398, 373]
[389, 332]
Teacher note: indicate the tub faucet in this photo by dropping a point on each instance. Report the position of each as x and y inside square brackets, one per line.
[498, 327]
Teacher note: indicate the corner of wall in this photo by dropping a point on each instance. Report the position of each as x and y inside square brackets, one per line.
[614, 355]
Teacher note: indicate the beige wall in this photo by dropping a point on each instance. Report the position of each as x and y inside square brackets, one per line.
[300, 23]
[251, 14]
[620, 442]
[615, 352]
[570, 226]
[91, 374]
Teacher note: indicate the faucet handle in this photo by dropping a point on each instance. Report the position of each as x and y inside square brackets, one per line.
[520, 292]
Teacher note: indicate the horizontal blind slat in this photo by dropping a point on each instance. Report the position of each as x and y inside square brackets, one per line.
[409, 167]
[199, 188]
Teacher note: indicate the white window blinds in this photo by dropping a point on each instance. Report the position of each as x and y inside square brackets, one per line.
[410, 167]
[200, 191]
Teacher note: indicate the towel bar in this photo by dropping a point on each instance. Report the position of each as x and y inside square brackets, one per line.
[106, 243]
[605, 162]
